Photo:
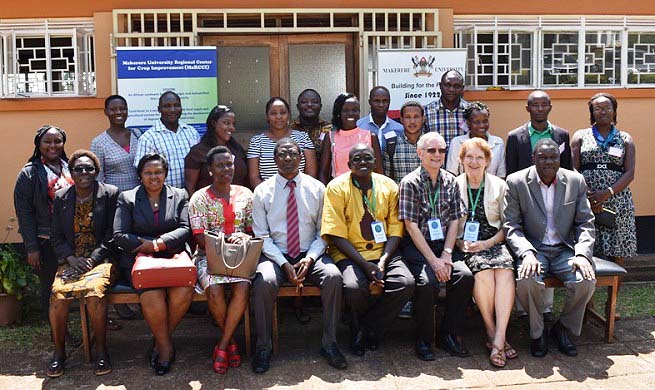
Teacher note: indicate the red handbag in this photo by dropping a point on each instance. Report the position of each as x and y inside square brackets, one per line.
[154, 272]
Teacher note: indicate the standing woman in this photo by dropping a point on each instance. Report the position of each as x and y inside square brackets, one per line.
[116, 147]
[227, 208]
[337, 144]
[261, 162]
[487, 256]
[221, 123]
[45, 173]
[606, 158]
[153, 219]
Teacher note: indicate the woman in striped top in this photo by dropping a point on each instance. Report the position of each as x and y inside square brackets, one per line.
[261, 164]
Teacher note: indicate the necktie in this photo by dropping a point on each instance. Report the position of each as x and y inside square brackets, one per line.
[293, 236]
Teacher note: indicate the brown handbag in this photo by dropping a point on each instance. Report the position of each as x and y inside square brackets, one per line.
[235, 260]
[154, 272]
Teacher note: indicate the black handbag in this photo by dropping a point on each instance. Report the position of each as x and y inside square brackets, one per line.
[606, 218]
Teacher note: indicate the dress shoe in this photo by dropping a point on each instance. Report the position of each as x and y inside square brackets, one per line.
[124, 311]
[358, 343]
[424, 351]
[162, 368]
[372, 340]
[301, 316]
[549, 317]
[560, 337]
[539, 346]
[406, 312]
[56, 367]
[453, 345]
[262, 361]
[334, 357]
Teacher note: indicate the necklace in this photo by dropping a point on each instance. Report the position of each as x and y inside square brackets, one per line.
[82, 200]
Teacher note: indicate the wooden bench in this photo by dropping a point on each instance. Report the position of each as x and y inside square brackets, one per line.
[288, 290]
[125, 295]
[608, 275]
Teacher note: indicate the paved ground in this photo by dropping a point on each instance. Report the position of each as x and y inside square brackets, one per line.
[627, 364]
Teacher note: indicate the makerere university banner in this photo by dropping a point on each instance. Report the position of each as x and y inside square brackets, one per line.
[415, 74]
[144, 73]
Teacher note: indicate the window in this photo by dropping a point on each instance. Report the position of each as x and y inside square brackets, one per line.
[49, 58]
[557, 52]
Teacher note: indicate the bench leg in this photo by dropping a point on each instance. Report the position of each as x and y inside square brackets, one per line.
[275, 329]
[246, 325]
[610, 314]
[86, 339]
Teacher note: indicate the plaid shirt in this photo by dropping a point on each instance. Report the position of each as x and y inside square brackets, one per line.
[414, 205]
[173, 145]
[405, 159]
[448, 123]
[116, 164]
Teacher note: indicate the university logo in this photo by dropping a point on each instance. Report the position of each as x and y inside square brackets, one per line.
[423, 66]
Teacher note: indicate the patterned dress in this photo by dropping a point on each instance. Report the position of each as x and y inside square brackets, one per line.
[622, 240]
[496, 257]
[209, 212]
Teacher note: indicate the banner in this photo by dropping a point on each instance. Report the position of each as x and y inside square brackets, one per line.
[144, 73]
[415, 74]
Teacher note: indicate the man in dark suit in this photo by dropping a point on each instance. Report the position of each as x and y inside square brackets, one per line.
[550, 227]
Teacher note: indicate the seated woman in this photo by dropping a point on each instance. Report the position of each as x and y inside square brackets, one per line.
[336, 146]
[484, 252]
[226, 208]
[221, 123]
[81, 236]
[477, 120]
[153, 218]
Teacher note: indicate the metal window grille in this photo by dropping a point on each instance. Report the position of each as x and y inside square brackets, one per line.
[557, 51]
[47, 58]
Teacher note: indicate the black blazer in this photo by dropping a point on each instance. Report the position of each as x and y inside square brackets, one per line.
[134, 219]
[32, 204]
[62, 234]
[518, 153]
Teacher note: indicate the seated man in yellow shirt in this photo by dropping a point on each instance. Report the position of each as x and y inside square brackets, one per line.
[360, 223]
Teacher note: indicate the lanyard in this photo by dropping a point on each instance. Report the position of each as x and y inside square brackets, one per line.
[433, 197]
[474, 203]
[370, 204]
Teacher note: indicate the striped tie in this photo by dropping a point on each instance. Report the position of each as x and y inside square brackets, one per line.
[293, 237]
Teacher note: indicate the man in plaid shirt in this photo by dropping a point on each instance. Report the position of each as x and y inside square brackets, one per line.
[430, 204]
[446, 115]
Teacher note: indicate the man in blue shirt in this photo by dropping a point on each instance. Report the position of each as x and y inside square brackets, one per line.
[377, 121]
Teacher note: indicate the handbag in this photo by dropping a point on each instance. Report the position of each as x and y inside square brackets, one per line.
[606, 218]
[155, 272]
[235, 260]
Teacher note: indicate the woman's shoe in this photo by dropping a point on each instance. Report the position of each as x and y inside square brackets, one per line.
[162, 368]
[152, 356]
[103, 365]
[510, 352]
[497, 357]
[234, 356]
[220, 359]
[55, 367]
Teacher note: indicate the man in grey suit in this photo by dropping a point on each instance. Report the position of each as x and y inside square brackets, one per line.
[550, 228]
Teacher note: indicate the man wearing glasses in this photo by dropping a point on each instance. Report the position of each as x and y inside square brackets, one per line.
[287, 211]
[446, 115]
[431, 206]
[360, 222]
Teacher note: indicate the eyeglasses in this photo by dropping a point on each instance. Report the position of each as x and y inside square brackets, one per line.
[292, 154]
[84, 169]
[435, 150]
[366, 158]
[603, 109]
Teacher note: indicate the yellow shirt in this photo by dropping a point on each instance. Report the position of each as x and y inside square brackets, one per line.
[343, 210]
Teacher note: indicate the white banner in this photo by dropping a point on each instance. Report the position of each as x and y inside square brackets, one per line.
[415, 74]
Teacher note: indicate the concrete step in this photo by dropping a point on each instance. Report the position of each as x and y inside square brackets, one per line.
[640, 268]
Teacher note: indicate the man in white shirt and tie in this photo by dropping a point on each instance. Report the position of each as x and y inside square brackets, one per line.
[287, 207]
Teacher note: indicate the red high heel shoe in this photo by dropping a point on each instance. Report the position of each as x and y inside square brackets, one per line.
[234, 357]
[220, 360]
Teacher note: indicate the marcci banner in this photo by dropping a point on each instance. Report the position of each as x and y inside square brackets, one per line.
[415, 74]
[144, 73]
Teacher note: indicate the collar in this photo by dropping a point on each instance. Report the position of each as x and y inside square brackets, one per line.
[161, 127]
[385, 124]
[321, 123]
[541, 183]
[532, 130]
[282, 181]
[425, 176]
[462, 104]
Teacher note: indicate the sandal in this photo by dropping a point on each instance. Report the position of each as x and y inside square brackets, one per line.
[234, 356]
[103, 365]
[510, 352]
[220, 359]
[497, 359]
[55, 367]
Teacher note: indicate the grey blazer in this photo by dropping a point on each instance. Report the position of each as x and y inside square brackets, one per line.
[525, 212]
[134, 219]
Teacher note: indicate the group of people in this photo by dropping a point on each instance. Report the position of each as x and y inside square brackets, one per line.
[361, 207]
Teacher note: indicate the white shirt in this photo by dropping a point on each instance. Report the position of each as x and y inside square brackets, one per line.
[548, 194]
[497, 165]
[270, 215]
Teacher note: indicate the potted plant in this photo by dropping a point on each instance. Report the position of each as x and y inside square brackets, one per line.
[15, 275]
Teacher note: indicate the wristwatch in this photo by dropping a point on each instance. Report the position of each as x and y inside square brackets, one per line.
[448, 250]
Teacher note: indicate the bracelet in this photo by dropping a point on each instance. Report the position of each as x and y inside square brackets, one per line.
[610, 190]
[155, 245]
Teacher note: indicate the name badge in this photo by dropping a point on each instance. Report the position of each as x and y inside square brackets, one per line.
[321, 137]
[471, 231]
[378, 232]
[616, 152]
[389, 134]
[434, 225]
[562, 147]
